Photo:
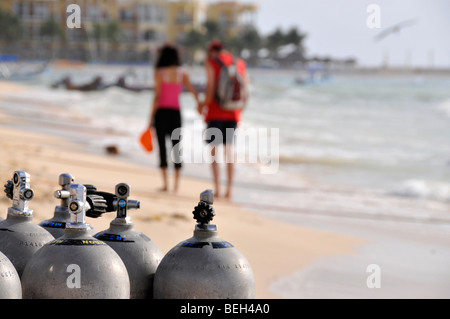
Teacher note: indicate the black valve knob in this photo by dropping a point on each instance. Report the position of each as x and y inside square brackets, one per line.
[9, 189]
[98, 206]
[109, 198]
[204, 213]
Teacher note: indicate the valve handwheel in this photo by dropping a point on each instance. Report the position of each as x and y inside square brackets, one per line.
[98, 206]
[203, 213]
[9, 189]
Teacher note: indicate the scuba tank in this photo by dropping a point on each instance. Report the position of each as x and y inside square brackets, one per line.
[61, 216]
[76, 265]
[204, 266]
[20, 238]
[139, 253]
[10, 286]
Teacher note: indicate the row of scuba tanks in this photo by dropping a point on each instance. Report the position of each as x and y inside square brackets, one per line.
[65, 258]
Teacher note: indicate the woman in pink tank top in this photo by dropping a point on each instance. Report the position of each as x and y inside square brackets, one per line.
[170, 79]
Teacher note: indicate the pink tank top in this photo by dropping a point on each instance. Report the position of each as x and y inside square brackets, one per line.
[170, 92]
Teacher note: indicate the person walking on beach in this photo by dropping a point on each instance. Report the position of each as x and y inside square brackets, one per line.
[170, 78]
[219, 117]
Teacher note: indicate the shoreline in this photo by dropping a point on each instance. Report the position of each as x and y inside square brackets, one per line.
[164, 218]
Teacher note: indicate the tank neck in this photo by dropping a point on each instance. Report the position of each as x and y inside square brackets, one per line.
[61, 211]
[205, 231]
[71, 232]
[122, 222]
[14, 214]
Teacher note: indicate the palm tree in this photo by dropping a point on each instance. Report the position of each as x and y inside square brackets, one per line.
[113, 32]
[193, 41]
[213, 31]
[50, 31]
[251, 40]
[106, 34]
[295, 37]
[274, 41]
[10, 27]
[235, 45]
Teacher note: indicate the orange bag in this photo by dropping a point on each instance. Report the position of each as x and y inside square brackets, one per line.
[147, 140]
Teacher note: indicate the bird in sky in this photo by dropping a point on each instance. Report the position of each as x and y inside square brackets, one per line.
[395, 29]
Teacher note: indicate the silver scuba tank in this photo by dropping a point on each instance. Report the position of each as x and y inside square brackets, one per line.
[76, 265]
[10, 286]
[204, 266]
[20, 238]
[139, 253]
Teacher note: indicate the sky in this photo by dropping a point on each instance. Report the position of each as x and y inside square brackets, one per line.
[338, 28]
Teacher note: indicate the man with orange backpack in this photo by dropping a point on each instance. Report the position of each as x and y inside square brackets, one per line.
[226, 97]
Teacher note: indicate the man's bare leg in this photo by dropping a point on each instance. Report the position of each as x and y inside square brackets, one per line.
[230, 159]
[216, 175]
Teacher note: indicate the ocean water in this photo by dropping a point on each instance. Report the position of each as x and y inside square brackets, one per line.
[361, 145]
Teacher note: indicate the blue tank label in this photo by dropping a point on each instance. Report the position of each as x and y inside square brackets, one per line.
[113, 237]
[215, 245]
[53, 224]
[223, 244]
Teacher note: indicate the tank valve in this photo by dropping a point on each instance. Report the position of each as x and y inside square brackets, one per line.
[82, 205]
[20, 192]
[65, 180]
[204, 211]
[122, 203]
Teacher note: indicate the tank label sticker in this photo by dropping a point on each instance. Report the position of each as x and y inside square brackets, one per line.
[53, 224]
[76, 242]
[113, 237]
[215, 245]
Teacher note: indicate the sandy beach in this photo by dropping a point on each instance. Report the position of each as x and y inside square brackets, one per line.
[274, 249]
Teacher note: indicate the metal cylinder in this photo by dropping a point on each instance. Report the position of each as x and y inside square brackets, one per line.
[20, 238]
[61, 215]
[139, 253]
[10, 286]
[204, 266]
[76, 265]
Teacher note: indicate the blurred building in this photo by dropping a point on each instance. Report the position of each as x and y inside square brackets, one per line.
[117, 29]
[144, 23]
[184, 16]
[232, 16]
[32, 15]
[138, 25]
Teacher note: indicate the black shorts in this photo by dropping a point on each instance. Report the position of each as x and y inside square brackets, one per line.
[226, 128]
[166, 121]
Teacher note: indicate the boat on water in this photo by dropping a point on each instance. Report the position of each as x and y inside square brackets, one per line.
[97, 84]
[313, 74]
[13, 69]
